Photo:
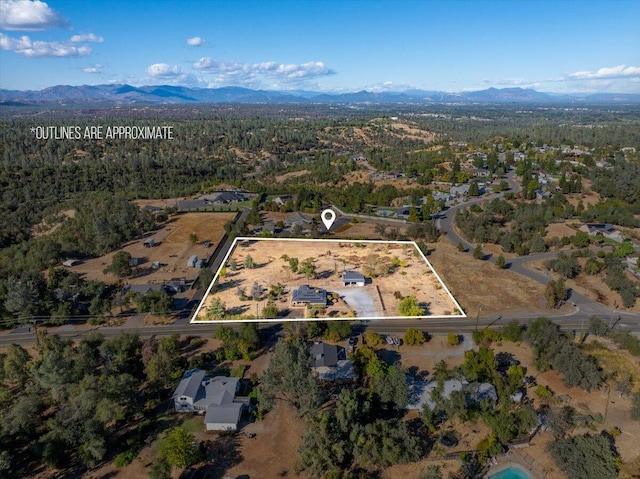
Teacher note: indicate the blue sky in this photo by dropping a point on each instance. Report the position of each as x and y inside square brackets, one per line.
[555, 46]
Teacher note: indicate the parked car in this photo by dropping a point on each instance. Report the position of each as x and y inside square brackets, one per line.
[389, 340]
[352, 341]
[397, 341]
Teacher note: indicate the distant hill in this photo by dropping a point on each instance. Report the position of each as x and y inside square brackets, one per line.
[165, 94]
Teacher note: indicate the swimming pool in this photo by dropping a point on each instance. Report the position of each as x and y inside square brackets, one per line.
[510, 473]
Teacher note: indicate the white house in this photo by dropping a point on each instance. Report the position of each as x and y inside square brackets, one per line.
[351, 278]
[215, 397]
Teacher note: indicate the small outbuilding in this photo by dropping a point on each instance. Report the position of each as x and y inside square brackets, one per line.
[351, 278]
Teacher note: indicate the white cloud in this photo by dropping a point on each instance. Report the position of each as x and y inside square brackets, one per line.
[195, 42]
[97, 68]
[29, 15]
[163, 70]
[170, 75]
[86, 38]
[248, 74]
[620, 71]
[29, 48]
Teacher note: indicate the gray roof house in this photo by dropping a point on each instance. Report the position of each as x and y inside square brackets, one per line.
[604, 229]
[351, 278]
[329, 362]
[306, 295]
[297, 218]
[216, 397]
[229, 197]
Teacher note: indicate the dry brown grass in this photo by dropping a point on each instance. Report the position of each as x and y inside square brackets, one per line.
[476, 284]
[173, 251]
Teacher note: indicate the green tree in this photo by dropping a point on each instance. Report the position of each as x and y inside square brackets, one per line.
[160, 469]
[289, 378]
[409, 306]
[217, 309]
[179, 448]
[477, 252]
[453, 339]
[501, 262]
[16, 365]
[337, 330]
[248, 262]
[293, 264]
[371, 338]
[474, 190]
[120, 264]
[585, 456]
[512, 331]
[165, 367]
[308, 268]
[413, 336]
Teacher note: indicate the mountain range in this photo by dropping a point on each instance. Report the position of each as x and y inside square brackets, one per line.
[165, 94]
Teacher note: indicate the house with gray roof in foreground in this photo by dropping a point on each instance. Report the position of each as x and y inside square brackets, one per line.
[215, 397]
[330, 362]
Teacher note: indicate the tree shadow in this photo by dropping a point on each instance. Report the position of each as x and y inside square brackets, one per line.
[224, 452]
[237, 310]
[389, 356]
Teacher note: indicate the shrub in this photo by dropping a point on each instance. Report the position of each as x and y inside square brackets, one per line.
[453, 339]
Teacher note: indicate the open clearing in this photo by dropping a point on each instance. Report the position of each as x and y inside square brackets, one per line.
[393, 270]
[481, 284]
[172, 253]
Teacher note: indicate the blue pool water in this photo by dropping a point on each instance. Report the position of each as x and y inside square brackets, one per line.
[510, 473]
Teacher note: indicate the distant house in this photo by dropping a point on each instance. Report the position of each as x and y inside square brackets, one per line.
[229, 197]
[177, 285]
[297, 218]
[192, 261]
[71, 262]
[441, 196]
[602, 229]
[330, 362]
[216, 397]
[306, 295]
[351, 278]
[282, 199]
[542, 194]
[359, 158]
[152, 208]
[143, 289]
[421, 392]
[461, 190]
[150, 243]
[403, 212]
[481, 172]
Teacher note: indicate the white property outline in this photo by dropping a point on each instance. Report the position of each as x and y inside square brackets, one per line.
[328, 240]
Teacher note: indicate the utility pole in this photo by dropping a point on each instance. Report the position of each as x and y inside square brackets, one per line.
[478, 316]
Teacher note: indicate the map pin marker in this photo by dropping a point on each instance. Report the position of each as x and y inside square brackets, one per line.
[328, 217]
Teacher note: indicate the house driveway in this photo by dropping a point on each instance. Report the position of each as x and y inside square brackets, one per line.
[361, 301]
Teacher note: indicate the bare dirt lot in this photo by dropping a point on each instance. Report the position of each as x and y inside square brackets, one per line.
[172, 253]
[480, 284]
[401, 272]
